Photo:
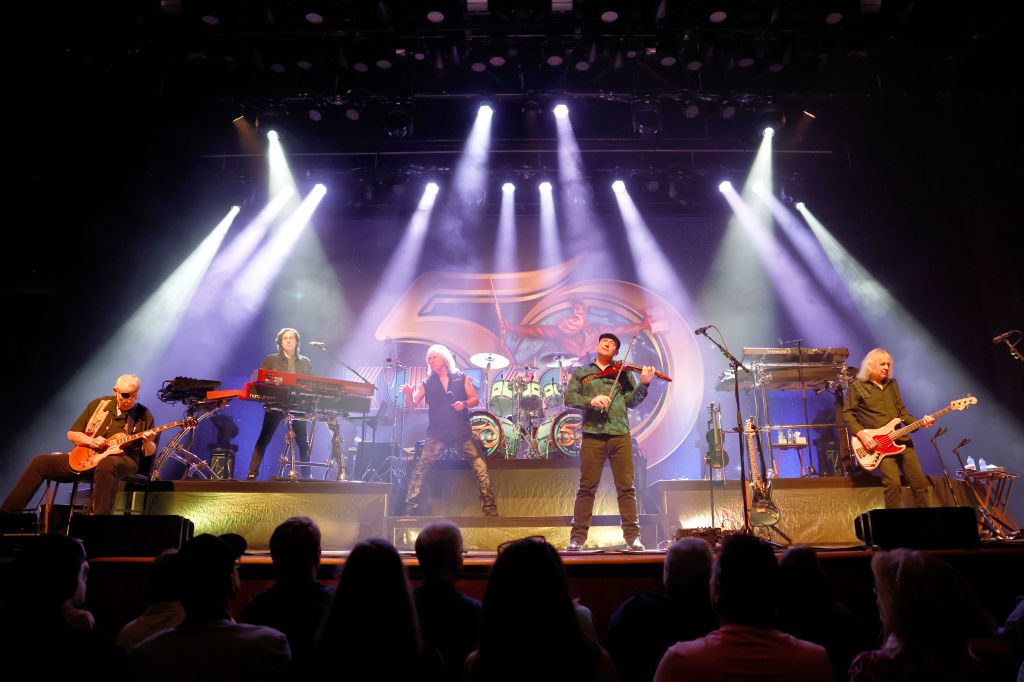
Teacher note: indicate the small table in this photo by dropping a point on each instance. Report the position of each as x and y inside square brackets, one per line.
[992, 489]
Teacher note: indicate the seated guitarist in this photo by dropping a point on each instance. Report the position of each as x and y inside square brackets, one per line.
[102, 418]
[872, 400]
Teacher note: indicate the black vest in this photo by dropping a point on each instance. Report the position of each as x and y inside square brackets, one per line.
[446, 424]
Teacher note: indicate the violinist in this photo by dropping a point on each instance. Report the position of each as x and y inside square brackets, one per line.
[604, 397]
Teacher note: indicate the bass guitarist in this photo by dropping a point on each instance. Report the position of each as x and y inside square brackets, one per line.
[872, 400]
[103, 418]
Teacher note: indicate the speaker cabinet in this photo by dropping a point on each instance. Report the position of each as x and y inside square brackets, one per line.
[919, 528]
[130, 535]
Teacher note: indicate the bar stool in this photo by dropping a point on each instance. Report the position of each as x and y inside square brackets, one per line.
[50, 499]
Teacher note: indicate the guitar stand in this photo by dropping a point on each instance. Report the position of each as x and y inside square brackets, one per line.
[194, 465]
[776, 545]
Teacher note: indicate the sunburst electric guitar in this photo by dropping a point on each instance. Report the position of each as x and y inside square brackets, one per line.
[83, 458]
[763, 510]
[885, 437]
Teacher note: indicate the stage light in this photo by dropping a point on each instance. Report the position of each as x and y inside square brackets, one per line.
[435, 16]
[769, 132]
[485, 110]
[647, 119]
[508, 188]
[800, 206]
[717, 17]
[272, 135]
[398, 121]
[314, 18]
[618, 186]
[544, 186]
[561, 111]
[431, 189]
[724, 185]
[610, 16]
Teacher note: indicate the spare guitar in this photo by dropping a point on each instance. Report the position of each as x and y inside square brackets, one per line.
[885, 437]
[717, 457]
[83, 458]
[763, 511]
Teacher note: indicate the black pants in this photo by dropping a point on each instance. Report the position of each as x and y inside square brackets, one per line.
[271, 420]
[56, 467]
[594, 450]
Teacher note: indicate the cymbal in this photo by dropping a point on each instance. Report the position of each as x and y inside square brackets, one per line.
[494, 360]
[554, 359]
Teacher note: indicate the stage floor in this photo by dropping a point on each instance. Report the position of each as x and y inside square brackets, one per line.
[534, 498]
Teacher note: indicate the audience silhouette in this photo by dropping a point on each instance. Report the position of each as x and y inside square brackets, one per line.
[744, 590]
[648, 623]
[209, 644]
[529, 628]
[296, 603]
[371, 629]
[928, 611]
[449, 620]
[163, 610]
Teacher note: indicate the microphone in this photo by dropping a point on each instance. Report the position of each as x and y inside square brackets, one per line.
[700, 330]
[1003, 337]
[942, 430]
[318, 344]
[451, 397]
[964, 442]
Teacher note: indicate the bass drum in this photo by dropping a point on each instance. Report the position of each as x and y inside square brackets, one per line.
[561, 436]
[498, 435]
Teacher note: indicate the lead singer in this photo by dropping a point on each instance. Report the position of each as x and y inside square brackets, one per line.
[449, 394]
[606, 436]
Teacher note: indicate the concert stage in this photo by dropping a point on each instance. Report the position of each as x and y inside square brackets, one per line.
[535, 497]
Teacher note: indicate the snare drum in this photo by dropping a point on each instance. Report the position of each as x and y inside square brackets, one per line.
[531, 398]
[503, 397]
[498, 435]
[561, 436]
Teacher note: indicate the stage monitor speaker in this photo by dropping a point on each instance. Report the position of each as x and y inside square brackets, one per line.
[130, 535]
[372, 462]
[919, 528]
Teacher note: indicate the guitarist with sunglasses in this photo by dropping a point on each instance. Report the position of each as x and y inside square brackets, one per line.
[101, 420]
[872, 400]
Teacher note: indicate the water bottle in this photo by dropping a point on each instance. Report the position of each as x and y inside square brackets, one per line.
[970, 464]
[981, 464]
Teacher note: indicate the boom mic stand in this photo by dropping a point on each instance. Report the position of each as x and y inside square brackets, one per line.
[362, 429]
[736, 366]
[945, 474]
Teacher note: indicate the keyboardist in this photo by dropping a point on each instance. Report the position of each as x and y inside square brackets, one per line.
[286, 359]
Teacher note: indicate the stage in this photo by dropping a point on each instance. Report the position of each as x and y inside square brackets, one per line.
[535, 497]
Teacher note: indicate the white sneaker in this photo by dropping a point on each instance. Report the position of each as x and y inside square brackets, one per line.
[635, 546]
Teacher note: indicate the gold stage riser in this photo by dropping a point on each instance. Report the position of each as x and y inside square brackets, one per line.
[815, 511]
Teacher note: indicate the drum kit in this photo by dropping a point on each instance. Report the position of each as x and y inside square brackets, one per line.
[524, 416]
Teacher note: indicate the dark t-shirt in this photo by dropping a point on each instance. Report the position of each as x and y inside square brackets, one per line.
[279, 362]
[135, 420]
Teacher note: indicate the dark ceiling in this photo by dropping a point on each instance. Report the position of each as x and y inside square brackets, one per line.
[378, 87]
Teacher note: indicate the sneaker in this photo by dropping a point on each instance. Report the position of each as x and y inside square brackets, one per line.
[635, 545]
[574, 546]
[491, 512]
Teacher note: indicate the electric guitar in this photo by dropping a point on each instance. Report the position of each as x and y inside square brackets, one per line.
[83, 458]
[763, 511]
[885, 437]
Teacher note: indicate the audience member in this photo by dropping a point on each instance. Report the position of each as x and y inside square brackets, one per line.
[928, 611]
[648, 623]
[209, 644]
[529, 628]
[744, 589]
[296, 603]
[47, 574]
[371, 631]
[810, 610]
[449, 620]
[163, 610]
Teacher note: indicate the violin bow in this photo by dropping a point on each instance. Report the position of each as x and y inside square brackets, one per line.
[622, 366]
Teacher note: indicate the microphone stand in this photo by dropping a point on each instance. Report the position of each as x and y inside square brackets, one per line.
[339, 361]
[736, 366]
[945, 474]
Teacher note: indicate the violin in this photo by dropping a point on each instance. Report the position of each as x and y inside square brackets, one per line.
[614, 368]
